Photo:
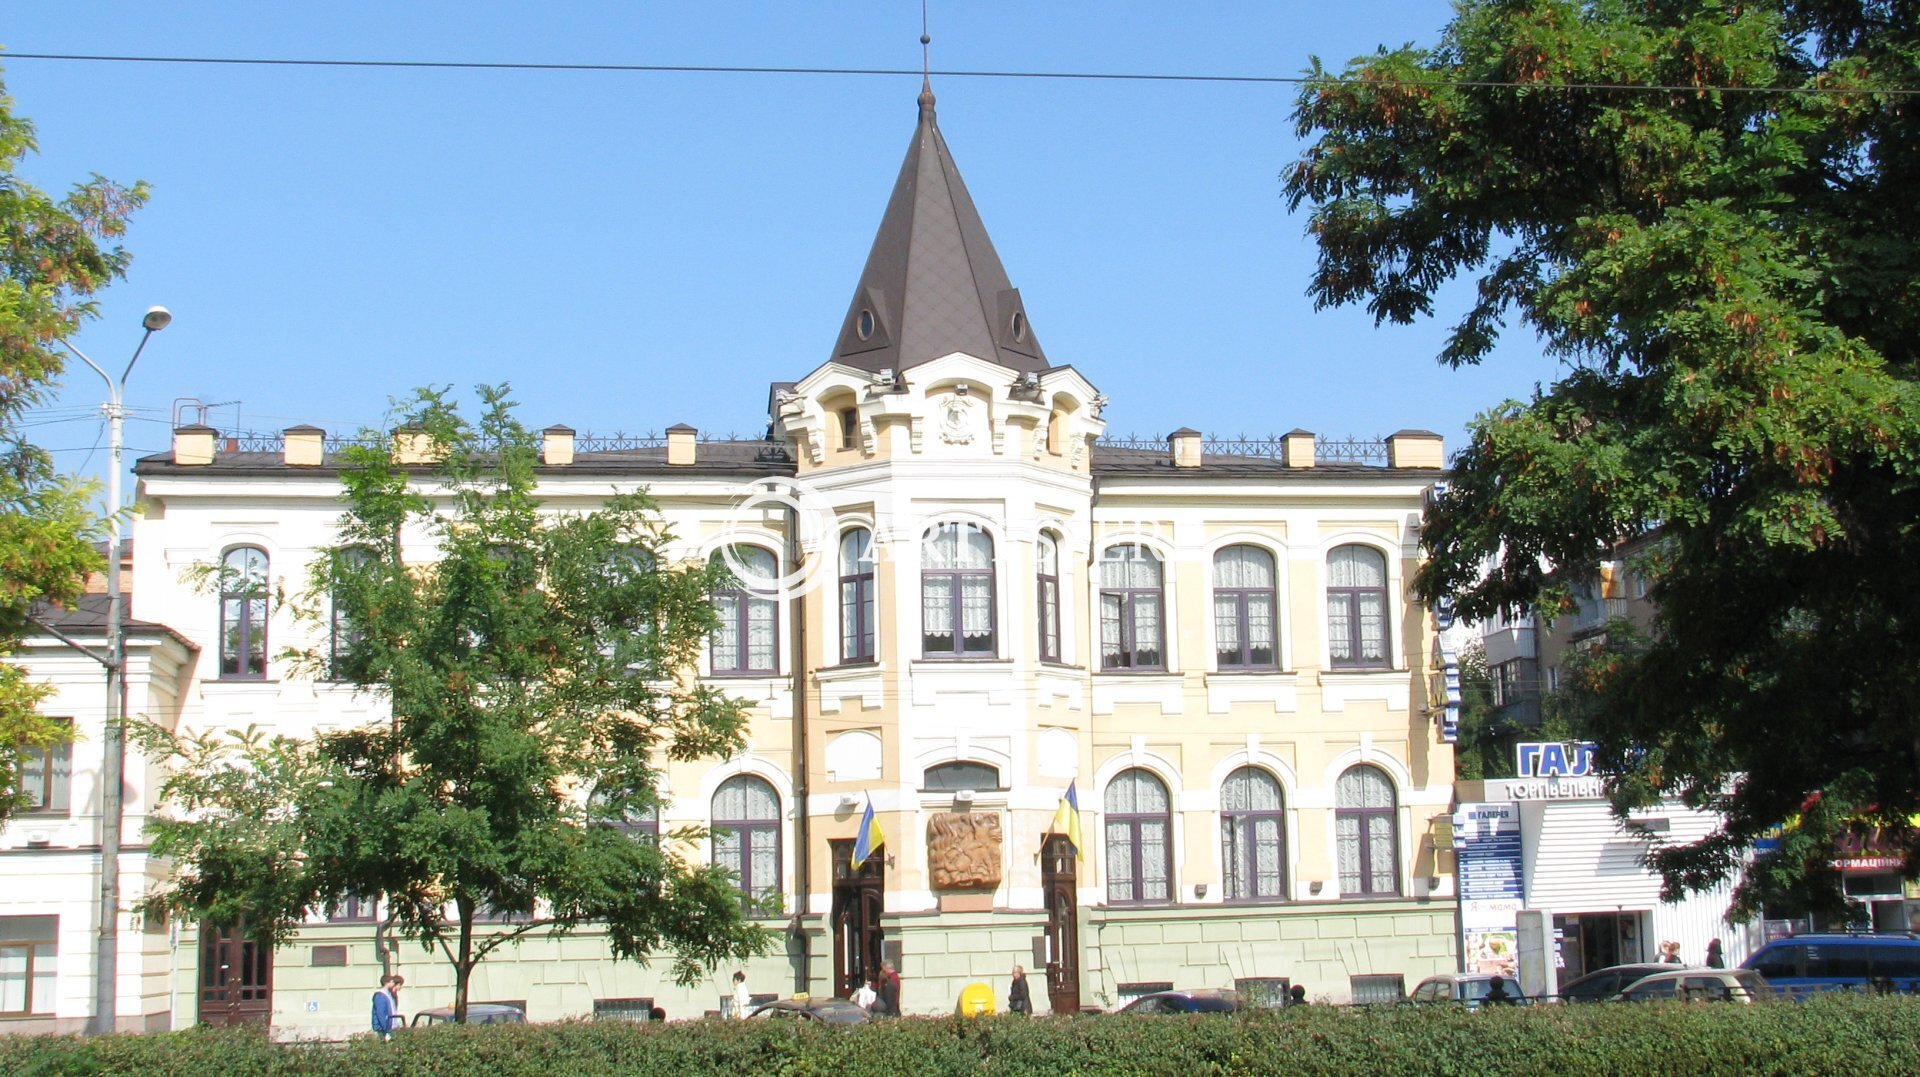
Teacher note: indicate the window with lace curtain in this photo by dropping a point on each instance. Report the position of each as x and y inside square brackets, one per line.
[1253, 836]
[1357, 608]
[1366, 833]
[956, 592]
[746, 836]
[1244, 635]
[1139, 822]
[746, 639]
[1131, 601]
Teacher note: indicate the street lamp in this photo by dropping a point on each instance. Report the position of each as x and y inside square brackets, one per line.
[106, 965]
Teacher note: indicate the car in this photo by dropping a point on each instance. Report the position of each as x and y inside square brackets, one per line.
[1469, 989]
[478, 1013]
[1802, 964]
[1199, 1000]
[1714, 985]
[1602, 984]
[826, 1011]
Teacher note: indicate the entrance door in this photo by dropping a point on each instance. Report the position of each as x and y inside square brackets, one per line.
[236, 977]
[859, 897]
[1059, 888]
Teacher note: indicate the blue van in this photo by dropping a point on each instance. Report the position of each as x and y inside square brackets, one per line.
[1802, 964]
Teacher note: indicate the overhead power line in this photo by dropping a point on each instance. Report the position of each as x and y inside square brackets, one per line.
[1091, 76]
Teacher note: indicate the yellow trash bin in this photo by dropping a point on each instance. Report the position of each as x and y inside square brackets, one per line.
[976, 1000]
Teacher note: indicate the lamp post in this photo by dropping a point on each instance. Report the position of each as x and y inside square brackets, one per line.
[106, 965]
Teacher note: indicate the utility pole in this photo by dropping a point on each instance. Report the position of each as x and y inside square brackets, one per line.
[106, 966]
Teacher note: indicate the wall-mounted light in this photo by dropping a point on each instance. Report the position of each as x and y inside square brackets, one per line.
[1433, 882]
[963, 796]
[1314, 886]
[1199, 891]
[961, 388]
[848, 800]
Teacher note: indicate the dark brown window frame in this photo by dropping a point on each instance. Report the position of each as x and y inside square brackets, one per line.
[1364, 837]
[1134, 821]
[742, 626]
[1046, 590]
[1351, 597]
[237, 616]
[1241, 827]
[861, 605]
[1129, 598]
[746, 829]
[1244, 663]
[957, 578]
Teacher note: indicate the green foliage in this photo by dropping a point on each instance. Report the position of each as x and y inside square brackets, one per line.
[55, 254]
[529, 657]
[1838, 1034]
[1733, 280]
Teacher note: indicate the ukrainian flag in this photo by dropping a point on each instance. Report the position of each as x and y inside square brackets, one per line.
[1066, 819]
[870, 837]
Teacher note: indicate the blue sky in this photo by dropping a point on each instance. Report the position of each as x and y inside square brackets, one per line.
[635, 250]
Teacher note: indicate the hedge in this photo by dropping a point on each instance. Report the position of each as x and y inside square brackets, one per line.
[1835, 1034]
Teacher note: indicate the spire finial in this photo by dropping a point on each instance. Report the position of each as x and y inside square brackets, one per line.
[926, 83]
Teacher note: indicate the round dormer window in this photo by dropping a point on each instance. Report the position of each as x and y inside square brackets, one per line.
[863, 325]
[1019, 327]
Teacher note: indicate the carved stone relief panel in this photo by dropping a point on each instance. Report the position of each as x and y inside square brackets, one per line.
[963, 850]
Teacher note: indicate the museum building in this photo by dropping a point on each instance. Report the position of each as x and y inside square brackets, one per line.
[1212, 646]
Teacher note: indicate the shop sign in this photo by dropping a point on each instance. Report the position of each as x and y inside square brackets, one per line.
[1553, 759]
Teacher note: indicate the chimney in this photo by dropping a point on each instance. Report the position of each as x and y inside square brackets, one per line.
[303, 446]
[681, 439]
[556, 446]
[1183, 445]
[1299, 448]
[412, 445]
[1416, 448]
[193, 445]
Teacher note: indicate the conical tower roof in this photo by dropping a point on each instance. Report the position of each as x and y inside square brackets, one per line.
[933, 283]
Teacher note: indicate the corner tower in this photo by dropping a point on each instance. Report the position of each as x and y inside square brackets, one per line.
[933, 284]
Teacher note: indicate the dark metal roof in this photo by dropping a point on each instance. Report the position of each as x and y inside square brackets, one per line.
[89, 617]
[1114, 461]
[757, 457]
[933, 283]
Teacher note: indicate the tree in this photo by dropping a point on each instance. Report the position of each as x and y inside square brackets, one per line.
[55, 255]
[535, 665]
[1706, 211]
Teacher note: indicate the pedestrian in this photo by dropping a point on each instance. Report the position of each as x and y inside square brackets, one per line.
[1296, 995]
[864, 996]
[1018, 1000]
[742, 998]
[1670, 953]
[1497, 992]
[386, 1003]
[1714, 958]
[889, 989]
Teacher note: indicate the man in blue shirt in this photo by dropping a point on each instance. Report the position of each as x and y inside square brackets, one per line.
[385, 1002]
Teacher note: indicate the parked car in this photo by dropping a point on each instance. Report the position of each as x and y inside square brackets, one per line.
[1199, 1000]
[1469, 989]
[1801, 964]
[478, 1013]
[1602, 984]
[1712, 985]
[827, 1011]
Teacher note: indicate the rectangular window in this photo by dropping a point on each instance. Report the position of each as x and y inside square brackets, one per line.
[1378, 989]
[28, 947]
[623, 1009]
[46, 773]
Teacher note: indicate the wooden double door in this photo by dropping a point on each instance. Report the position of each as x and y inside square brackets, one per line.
[859, 899]
[236, 977]
[1059, 882]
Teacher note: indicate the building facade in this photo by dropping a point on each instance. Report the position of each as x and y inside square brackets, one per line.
[962, 606]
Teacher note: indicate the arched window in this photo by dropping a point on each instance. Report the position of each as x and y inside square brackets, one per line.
[1047, 595]
[1357, 608]
[1243, 609]
[1130, 604]
[639, 823]
[1139, 837]
[342, 634]
[243, 613]
[1367, 833]
[956, 592]
[856, 595]
[948, 777]
[746, 836]
[747, 638]
[1253, 836]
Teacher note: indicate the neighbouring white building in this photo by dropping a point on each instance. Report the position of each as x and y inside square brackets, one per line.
[1212, 643]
